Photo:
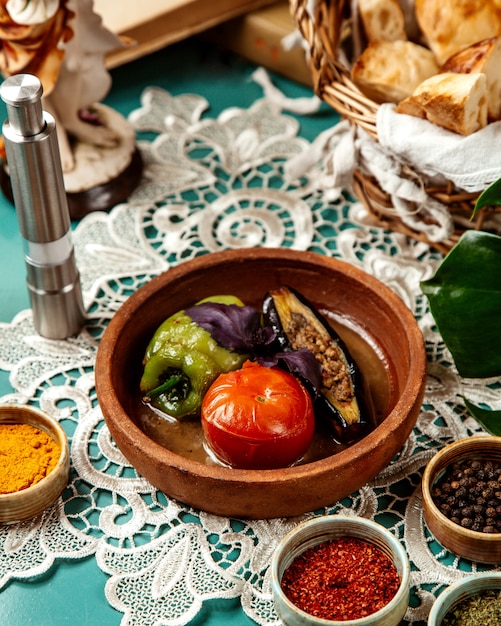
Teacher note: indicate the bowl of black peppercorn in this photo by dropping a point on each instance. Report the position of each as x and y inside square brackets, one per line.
[462, 498]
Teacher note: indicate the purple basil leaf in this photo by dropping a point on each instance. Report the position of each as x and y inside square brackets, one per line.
[239, 328]
[299, 362]
[263, 339]
[233, 327]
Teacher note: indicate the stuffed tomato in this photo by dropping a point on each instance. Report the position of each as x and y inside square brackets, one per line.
[258, 418]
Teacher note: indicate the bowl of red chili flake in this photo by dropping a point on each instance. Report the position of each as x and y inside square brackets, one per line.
[476, 599]
[339, 569]
[34, 462]
[461, 489]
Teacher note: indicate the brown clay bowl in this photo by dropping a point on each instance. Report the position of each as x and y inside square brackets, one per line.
[473, 545]
[356, 300]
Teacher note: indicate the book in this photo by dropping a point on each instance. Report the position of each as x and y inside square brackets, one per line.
[259, 36]
[153, 24]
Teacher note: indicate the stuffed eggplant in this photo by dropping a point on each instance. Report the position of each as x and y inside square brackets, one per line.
[299, 325]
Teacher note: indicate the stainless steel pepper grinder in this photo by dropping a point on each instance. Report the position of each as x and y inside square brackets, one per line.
[38, 190]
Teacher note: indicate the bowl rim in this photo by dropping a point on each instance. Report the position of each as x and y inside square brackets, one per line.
[435, 465]
[447, 598]
[411, 394]
[54, 429]
[324, 523]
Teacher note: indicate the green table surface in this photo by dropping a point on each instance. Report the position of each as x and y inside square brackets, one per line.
[73, 592]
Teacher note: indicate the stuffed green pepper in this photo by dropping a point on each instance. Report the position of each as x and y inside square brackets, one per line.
[182, 360]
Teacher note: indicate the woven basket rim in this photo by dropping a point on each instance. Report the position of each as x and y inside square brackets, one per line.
[331, 78]
[332, 83]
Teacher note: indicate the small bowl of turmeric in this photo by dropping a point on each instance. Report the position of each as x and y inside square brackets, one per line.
[34, 462]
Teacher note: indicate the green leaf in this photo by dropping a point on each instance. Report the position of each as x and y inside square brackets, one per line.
[488, 419]
[490, 197]
[465, 301]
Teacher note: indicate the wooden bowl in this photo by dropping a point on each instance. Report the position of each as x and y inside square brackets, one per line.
[461, 590]
[323, 529]
[470, 544]
[358, 303]
[30, 502]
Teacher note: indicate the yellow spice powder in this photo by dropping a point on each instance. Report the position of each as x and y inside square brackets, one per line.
[27, 455]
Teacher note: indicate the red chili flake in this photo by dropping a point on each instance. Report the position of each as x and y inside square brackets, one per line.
[341, 579]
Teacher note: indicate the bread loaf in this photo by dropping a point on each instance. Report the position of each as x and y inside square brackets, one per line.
[485, 57]
[451, 25]
[457, 102]
[389, 71]
[383, 20]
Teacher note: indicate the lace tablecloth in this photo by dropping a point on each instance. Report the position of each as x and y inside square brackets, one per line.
[211, 183]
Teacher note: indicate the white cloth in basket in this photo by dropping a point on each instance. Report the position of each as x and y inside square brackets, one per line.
[411, 153]
[471, 163]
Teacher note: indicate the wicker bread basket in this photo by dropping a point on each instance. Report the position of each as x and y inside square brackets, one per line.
[332, 82]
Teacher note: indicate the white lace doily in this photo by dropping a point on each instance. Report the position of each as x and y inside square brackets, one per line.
[211, 184]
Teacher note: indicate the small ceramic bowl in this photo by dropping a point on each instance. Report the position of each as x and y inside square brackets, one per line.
[461, 590]
[30, 502]
[323, 529]
[470, 544]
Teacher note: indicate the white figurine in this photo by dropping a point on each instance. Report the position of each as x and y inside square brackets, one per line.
[64, 43]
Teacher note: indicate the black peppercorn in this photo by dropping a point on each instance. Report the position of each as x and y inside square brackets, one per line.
[467, 511]
[468, 494]
[446, 509]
